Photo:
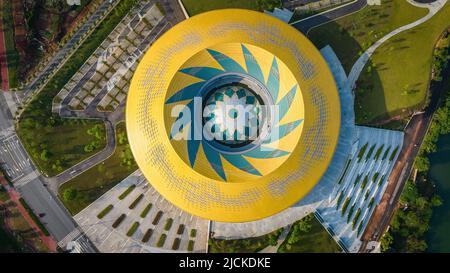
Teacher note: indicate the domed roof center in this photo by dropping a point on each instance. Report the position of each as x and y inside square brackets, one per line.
[232, 115]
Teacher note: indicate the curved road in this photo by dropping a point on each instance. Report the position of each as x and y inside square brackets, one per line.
[305, 25]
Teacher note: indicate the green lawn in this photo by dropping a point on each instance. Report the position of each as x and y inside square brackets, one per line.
[402, 67]
[351, 35]
[194, 7]
[316, 240]
[84, 189]
[53, 153]
[40, 130]
[248, 245]
[394, 83]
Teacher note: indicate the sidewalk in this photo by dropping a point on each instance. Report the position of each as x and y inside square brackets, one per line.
[14, 196]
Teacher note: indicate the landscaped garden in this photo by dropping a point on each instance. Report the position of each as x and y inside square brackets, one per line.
[194, 7]
[309, 236]
[350, 36]
[396, 82]
[40, 129]
[248, 245]
[84, 189]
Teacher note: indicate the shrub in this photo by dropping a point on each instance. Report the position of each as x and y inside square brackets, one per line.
[157, 218]
[394, 152]
[161, 240]
[168, 224]
[105, 211]
[386, 152]
[369, 154]
[180, 229]
[193, 233]
[190, 245]
[146, 210]
[344, 207]
[127, 191]
[119, 220]
[176, 244]
[147, 235]
[133, 229]
[362, 151]
[136, 201]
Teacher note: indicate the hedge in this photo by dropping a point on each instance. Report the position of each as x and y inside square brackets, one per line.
[136, 201]
[162, 240]
[105, 211]
[127, 191]
[133, 229]
[119, 220]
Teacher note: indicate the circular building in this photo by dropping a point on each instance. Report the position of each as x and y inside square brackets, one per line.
[233, 115]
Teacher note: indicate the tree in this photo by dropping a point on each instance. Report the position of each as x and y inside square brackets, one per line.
[70, 194]
[422, 164]
[44, 155]
[415, 245]
[436, 201]
[386, 242]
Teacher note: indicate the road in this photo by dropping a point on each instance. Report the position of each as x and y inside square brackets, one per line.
[305, 25]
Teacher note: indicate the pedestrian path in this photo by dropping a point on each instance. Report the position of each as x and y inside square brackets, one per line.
[361, 62]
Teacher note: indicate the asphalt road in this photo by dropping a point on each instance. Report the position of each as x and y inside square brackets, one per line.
[55, 218]
[307, 24]
[5, 115]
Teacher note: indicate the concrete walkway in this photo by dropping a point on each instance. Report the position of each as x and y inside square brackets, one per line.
[361, 62]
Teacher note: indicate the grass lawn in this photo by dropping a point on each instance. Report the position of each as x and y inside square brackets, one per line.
[316, 240]
[194, 7]
[41, 130]
[52, 153]
[403, 67]
[353, 34]
[248, 245]
[84, 189]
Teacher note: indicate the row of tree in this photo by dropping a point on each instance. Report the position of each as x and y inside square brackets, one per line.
[411, 222]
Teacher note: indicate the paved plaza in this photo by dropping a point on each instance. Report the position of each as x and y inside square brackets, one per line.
[103, 81]
[154, 217]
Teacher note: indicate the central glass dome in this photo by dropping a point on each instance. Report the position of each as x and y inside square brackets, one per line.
[233, 116]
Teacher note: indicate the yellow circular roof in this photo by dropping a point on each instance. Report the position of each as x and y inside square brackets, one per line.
[230, 58]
